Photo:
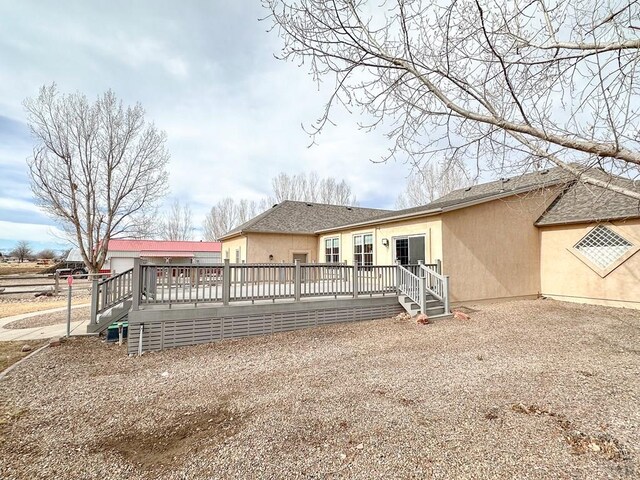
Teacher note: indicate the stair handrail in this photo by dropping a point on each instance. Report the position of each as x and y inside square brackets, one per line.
[410, 285]
[436, 284]
[112, 291]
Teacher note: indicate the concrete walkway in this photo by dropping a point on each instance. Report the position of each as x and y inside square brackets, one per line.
[41, 333]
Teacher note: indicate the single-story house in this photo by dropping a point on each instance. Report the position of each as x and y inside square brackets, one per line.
[540, 233]
[122, 252]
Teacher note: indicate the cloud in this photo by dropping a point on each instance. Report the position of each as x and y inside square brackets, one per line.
[11, 232]
[207, 75]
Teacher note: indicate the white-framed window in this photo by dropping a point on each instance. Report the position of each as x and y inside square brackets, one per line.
[363, 249]
[332, 250]
[603, 247]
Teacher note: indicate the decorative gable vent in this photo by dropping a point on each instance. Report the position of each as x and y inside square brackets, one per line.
[603, 247]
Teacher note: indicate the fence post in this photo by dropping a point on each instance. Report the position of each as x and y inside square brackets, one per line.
[136, 286]
[445, 295]
[297, 284]
[56, 288]
[94, 301]
[355, 280]
[226, 282]
[439, 266]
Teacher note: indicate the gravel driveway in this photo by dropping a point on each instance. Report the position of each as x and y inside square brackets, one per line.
[529, 389]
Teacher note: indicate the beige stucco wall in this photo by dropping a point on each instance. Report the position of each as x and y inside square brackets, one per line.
[230, 246]
[431, 227]
[281, 246]
[565, 277]
[492, 250]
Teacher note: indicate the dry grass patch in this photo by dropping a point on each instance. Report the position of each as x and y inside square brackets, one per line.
[17, 306]
[55, 318]
[11, 352]
[17, 268]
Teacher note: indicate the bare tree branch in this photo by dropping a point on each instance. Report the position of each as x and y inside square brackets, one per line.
[178, 223]
[502, 85]
[96, 168]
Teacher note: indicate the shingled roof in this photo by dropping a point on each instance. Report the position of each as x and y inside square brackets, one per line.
[580, 203]
[303, 218]
[484, 192]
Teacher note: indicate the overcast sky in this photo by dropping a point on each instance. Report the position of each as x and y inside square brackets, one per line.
[206, 74]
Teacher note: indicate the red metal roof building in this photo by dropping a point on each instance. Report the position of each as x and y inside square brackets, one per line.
[122, 252]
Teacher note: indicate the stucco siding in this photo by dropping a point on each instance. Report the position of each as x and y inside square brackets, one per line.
[492, 250]
[282, 246]
[229, 248]
[431, 227]
[565, 276]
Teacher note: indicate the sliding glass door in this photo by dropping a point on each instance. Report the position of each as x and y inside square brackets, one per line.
[409, 250]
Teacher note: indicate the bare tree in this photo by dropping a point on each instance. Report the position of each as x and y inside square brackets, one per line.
[46, 254]
[22, 251]
[96, 168]
[430, 183]
[227, 214]
[501, 85]
[311, 188]
[178, 224]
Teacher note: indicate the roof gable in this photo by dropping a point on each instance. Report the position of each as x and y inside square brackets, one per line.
[580, 203]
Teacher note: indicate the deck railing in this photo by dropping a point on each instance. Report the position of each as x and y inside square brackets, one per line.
[110, 292]
[411, 285]
[226, 283]
[436, 284]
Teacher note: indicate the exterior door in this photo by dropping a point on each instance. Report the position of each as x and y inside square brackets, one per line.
[409, 250]
[300, 257]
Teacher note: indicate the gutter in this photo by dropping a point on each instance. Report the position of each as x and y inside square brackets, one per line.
[586, 220]
[242, 232]
[382, 220]
[437, 211]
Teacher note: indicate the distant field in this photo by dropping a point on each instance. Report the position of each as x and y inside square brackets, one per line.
[17, 268]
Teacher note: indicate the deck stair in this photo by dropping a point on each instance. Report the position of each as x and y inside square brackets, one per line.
[423, 290]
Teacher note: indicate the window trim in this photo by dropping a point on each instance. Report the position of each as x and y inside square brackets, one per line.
[332, 247]
[603, 272]
[373, 248]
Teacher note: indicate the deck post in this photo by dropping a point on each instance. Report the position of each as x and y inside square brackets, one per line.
[355, 280]
[297, 284]
[94, 301]
[136, 280]
[445, 295]
[439, 266]
[422, 294]
[226, 282]
[397, 277]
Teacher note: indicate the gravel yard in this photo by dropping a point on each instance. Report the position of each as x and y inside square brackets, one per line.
[529, 389]
[77, 315]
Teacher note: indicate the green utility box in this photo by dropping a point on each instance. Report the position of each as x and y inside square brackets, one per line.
[112, 331]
